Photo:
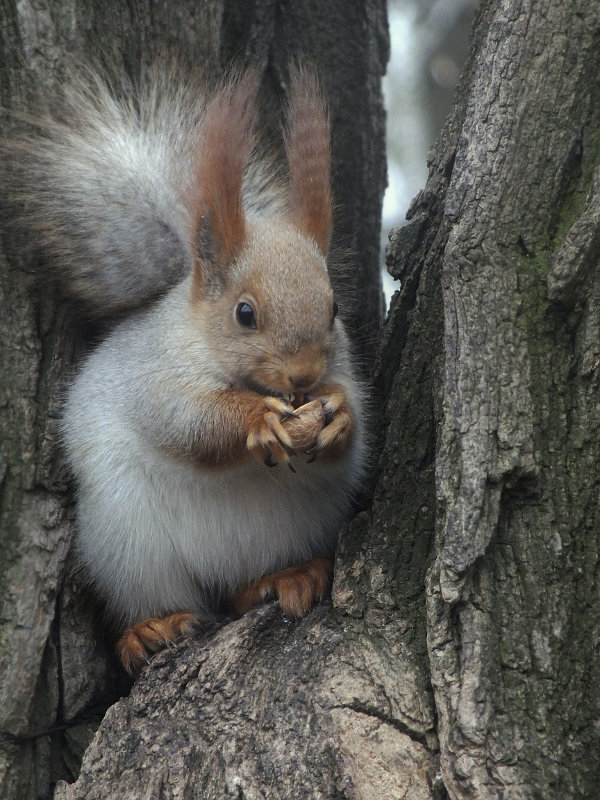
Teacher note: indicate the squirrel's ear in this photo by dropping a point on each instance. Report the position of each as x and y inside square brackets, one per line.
[307, 145]
[228, 138]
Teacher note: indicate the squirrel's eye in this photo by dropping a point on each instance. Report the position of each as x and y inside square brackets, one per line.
[244, 314]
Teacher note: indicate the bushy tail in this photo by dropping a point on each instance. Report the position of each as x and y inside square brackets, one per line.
[106, 182]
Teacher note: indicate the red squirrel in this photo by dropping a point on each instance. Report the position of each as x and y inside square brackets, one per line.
[216, 434]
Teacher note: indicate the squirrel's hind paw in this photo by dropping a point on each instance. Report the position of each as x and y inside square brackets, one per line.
[297, 588]
[153, 634]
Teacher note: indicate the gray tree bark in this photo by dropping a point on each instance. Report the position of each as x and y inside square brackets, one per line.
[500, 271]
[57, 674]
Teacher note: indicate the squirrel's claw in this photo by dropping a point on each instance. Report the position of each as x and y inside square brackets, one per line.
[155, 633]
[332, 403]
[313, 453]
[334, 436]
[279, 406]
[280, 432]
[267, 439]
[337, 424]
[320, 425]
[297, 588]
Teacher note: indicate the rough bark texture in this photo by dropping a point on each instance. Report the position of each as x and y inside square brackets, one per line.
[505, 239]
[57, 676]
[267, 708]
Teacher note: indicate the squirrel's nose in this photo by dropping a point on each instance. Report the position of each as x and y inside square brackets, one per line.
[304, 368]
[303, 382]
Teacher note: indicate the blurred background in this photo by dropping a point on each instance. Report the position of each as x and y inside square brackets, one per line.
[430, 43]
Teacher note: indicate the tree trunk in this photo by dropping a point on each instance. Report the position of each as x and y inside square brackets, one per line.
[57, 674]
[500, 286]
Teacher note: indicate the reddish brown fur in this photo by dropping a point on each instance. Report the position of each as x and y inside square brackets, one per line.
[245, 419]
[252, 424]
[340, 425]
[228, 140]
[225, 444]
[297, 588]
[146, 637]
[307, 144]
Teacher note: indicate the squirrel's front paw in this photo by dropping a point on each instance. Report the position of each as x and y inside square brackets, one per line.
[267, 438]
[279, 430]
[337, 424]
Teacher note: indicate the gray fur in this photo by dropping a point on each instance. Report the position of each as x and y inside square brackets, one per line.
[107, 182]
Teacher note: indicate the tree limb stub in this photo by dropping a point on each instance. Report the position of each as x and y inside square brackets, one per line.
[324, 723]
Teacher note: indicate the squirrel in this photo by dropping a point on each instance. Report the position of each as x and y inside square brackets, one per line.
[216, 434]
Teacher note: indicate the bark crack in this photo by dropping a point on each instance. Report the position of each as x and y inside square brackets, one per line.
[418, 737]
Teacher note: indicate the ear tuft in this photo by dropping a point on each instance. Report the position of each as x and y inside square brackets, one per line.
[228, 138]
[307, 144]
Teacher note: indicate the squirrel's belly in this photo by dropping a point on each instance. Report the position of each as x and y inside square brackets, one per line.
[156, 534]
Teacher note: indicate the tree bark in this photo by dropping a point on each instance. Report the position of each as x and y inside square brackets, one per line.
[57, 672]
[504, 239]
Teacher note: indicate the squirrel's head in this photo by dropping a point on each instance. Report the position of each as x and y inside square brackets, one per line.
[273, 319]
[260, 282]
